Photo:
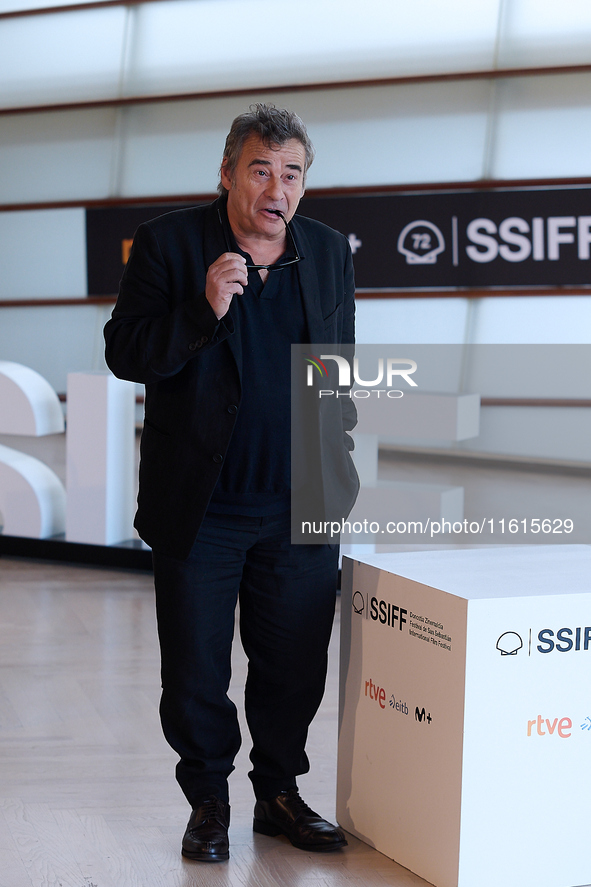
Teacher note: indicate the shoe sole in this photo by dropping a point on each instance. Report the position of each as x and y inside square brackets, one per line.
[205, 857]
[273, 831]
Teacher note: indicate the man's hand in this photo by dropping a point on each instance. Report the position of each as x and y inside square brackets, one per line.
[226, 278]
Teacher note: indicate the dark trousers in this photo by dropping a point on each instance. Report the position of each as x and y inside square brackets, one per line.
[287, 597]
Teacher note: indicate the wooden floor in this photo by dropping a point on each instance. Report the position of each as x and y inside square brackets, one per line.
[87, 790]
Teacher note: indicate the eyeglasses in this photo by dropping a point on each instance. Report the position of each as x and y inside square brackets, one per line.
[276, 266]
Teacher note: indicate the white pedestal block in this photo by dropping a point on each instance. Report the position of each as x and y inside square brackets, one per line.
[465, 714]
[420, 414]
[416, 415]
[392, 504]
[100, 458]
[365, 457]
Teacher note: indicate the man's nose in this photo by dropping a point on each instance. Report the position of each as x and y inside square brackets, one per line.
[274, 188]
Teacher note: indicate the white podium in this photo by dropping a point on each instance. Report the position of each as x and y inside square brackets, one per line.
[100, 458]
[429, 416]
[465, 713]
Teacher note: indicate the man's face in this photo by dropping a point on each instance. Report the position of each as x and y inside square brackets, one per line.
[265, 178]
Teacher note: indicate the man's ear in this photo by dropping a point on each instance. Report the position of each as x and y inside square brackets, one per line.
[225, 175]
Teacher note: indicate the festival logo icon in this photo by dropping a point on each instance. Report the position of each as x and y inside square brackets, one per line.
[358, 603]
[421, 242]
[509, 643]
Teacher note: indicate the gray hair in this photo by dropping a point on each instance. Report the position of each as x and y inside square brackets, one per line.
[274, 126]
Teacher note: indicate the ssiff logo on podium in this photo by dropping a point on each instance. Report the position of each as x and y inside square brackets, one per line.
[527, 731]
[467, 726]
[403, 704]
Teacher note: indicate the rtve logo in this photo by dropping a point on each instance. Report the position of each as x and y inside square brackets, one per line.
[376, 693]
[546, 727]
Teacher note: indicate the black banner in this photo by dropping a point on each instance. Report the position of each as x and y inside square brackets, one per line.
[109, 235]
[510, 238]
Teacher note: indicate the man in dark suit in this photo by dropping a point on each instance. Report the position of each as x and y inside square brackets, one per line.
[210, 302]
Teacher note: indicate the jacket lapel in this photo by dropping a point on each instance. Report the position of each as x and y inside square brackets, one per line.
[309, 285]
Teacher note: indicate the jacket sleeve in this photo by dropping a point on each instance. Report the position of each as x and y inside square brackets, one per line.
[155, 329]
[349, 412]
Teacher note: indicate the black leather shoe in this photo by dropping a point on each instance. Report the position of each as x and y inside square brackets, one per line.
[206, 837]
[289, 815]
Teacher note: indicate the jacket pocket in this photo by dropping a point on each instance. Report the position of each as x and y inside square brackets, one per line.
[155, 428]
[331, 324]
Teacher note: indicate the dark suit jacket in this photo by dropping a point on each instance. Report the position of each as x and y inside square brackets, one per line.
[164, 334]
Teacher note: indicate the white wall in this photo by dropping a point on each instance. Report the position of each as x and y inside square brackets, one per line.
[510, 370]
[54, 341]
[526, 127]
[206, 45]
[42, 254]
